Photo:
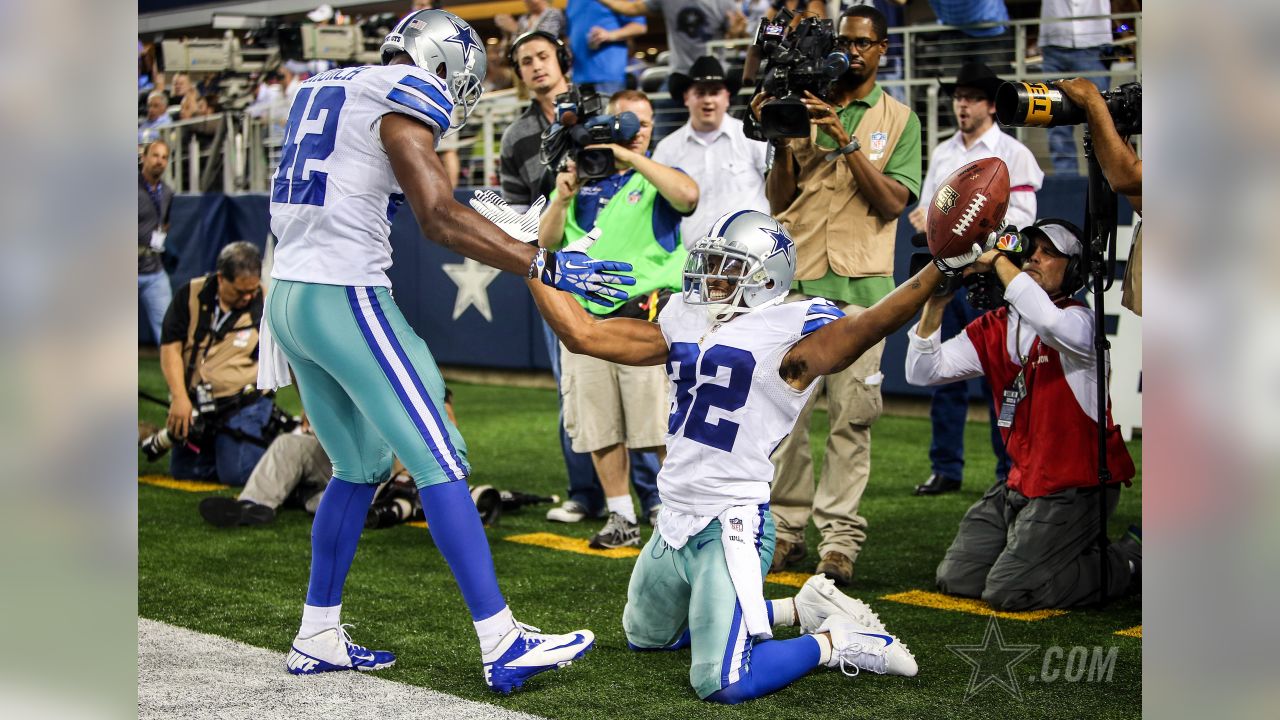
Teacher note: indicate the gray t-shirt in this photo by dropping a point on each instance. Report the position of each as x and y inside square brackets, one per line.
[690, 25]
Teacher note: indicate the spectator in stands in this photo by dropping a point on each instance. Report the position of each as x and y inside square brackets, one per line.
[209, 346]
[711, 147]
[294, 469]
[992, 46]
[839, 193]
[1069, 47]
[157, 117]
[1123, 170]
[691, 24]
[610, 408]
[1031, 542]
[973, 100]
[598, 41]
[155, 198]
[541, 16]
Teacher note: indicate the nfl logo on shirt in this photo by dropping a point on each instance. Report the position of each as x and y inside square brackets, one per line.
[736, 524]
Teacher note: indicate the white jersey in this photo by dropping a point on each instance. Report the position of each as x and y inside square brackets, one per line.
[334, 194]
[729, 406]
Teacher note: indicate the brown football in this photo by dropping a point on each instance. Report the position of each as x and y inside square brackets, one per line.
[968, 205]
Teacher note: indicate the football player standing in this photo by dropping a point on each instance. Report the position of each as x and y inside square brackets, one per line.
[360, 142]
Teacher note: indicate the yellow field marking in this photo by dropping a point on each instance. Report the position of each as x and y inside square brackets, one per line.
[568, 544]
[794, 579]
[938, 601]
[194, 486]
[1133, 632]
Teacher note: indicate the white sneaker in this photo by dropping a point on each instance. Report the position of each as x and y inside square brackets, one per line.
[570, 511]
[525, 652]
[818, 599]
[861, 648]
[332, 650]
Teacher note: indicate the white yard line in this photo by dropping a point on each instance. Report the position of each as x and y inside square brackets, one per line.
[190, 675]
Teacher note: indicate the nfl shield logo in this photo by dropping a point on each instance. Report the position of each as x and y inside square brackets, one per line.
[736, 524]
[878, 141]
[633, 197]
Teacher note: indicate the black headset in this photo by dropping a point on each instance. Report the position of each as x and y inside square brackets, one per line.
[563, 57]
[1074, 277]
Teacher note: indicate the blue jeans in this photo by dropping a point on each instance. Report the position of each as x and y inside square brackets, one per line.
[584, 486]
[950, 406]
[228, 461]
[1068, 61]
[154, 295]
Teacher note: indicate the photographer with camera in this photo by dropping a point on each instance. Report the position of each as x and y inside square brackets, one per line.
[839, 191]
[1122, 168]
[608, 407]
[1030, 542]
[973, 99]
[209, 356]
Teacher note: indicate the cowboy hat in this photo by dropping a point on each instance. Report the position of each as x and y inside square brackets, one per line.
[705, 69]
[975, 75]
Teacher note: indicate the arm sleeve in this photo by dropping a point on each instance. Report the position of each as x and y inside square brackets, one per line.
[177, 318]
[932, 362]
[1067, 330]
[418, 94]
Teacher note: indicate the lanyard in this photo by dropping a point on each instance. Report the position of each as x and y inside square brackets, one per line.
[156, 197]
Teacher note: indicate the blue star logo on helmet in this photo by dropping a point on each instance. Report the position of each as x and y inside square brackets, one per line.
[781, 243]
[466, 37]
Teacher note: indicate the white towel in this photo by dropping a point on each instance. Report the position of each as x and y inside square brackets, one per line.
[738, 527]
[273, 365]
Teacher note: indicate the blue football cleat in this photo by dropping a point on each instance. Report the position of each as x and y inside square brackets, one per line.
[333, 650]
[524, 652]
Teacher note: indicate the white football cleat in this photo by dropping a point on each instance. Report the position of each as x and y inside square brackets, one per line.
[862, 648]
[819, 599]
[525, 652]
[332, 650]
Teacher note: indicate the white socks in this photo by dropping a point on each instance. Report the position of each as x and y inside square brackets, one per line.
[623, 506]
[316, 620]
[784, 611]
[825, 648]
[492, 629]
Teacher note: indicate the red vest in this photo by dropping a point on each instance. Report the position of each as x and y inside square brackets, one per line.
[1053, 444]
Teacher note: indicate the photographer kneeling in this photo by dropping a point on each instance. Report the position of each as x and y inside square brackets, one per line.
[1031, 542]
[209, 357]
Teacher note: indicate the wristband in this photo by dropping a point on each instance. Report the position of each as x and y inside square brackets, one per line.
[852, 147]
[539, 262]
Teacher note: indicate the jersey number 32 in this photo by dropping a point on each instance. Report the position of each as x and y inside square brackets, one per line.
[692, 404]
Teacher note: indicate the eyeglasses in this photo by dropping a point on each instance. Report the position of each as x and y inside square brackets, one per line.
[861, 44]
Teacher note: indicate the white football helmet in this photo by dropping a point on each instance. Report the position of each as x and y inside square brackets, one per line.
[436, 38]
[746, 262]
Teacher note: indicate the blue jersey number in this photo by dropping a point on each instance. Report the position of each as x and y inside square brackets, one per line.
[299, 181]
[691, 407]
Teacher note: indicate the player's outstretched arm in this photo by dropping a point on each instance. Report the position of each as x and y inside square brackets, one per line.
[837, 345]
[622, 340]
[411, 147]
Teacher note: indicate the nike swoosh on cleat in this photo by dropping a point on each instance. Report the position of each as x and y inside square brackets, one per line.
[577, 638]
[888, 640]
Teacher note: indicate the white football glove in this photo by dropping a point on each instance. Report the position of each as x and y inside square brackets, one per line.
[523, 227]
[954, 266]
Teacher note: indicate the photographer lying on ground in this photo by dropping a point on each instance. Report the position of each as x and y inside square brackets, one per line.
[743, 364]
[218, 424]
[1030, 542]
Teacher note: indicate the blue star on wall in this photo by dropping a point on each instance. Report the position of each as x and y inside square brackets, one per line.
[465, 37]
[781, 243]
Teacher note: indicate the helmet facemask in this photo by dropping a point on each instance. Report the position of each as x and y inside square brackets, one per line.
[718, 276]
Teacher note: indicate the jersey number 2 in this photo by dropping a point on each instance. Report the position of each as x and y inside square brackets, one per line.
[308, 140]
[692, 406]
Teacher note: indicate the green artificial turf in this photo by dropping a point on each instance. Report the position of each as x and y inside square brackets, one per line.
[249, 585]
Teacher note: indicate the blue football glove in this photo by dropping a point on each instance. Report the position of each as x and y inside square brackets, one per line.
[574, 271]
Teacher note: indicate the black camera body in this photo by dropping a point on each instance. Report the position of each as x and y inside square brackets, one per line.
[806, 59]
[580, 121]
[1024, 104]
